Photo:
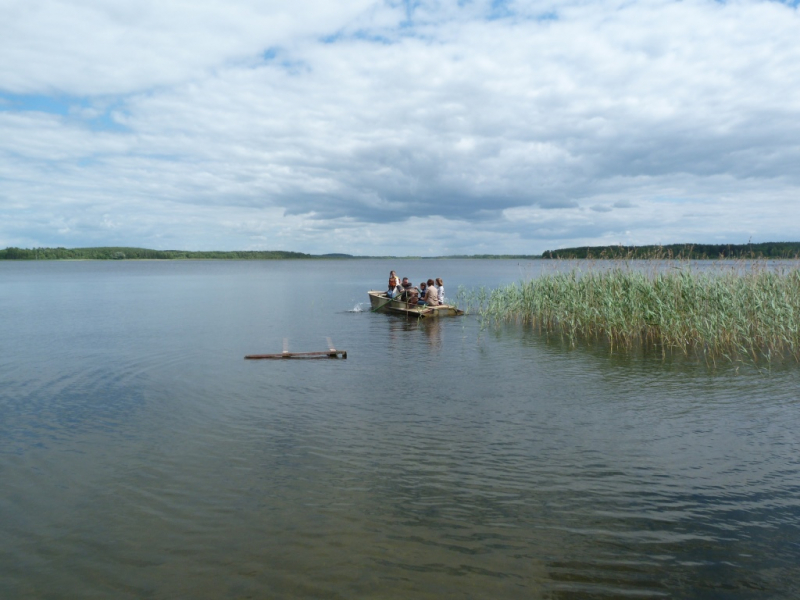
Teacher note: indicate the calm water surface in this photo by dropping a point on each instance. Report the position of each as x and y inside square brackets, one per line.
[142, 457]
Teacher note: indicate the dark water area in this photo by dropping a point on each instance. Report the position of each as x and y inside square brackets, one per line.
[142, 457]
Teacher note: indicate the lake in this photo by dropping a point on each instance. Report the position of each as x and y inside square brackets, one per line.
[142, 457]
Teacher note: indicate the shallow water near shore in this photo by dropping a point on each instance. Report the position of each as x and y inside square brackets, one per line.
[142, 456]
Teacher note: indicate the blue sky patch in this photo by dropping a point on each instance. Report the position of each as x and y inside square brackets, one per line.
[54, 105]
[500, 9]
[96, 116]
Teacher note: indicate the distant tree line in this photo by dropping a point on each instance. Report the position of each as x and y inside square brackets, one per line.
[112, 253]
[682, 251]
[498, 256]
[676, 251]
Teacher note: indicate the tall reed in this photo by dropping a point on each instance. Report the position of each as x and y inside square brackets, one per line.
[747, 312]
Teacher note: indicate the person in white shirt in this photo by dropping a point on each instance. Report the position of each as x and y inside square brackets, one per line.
[440, 289]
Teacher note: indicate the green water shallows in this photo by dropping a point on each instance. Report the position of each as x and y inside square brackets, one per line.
[745, 312]
[141, 456]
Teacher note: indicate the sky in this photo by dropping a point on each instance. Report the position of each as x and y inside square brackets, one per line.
[377, 127]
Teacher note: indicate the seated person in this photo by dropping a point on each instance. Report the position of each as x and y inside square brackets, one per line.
[410, 294]
[431, 296]
[422, 287]
[394, 289]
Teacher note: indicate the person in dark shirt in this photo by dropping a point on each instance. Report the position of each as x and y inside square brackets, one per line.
[410, 293]
[422, 288]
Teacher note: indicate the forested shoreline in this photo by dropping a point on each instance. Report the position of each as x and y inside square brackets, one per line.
[672, 251]
[123, 253]
[681, 251]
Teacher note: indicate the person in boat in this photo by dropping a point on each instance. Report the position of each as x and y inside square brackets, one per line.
[422, 289]
[431, 297]
[410, 293]
[440, 289]
[404, 288]
[394, 289]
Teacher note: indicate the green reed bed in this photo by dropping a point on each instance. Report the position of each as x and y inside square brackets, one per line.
[731, 314]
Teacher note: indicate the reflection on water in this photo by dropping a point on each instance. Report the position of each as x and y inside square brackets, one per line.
[404, 331]
[141, 456]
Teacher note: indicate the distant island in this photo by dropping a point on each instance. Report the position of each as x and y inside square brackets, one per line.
[671, 251]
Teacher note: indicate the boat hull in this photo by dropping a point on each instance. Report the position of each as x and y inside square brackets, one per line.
[380, 302]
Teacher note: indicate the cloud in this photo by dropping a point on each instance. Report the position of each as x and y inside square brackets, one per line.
[256, 125]
[101, 47]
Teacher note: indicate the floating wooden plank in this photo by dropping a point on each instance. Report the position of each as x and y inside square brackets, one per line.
[331, 353]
